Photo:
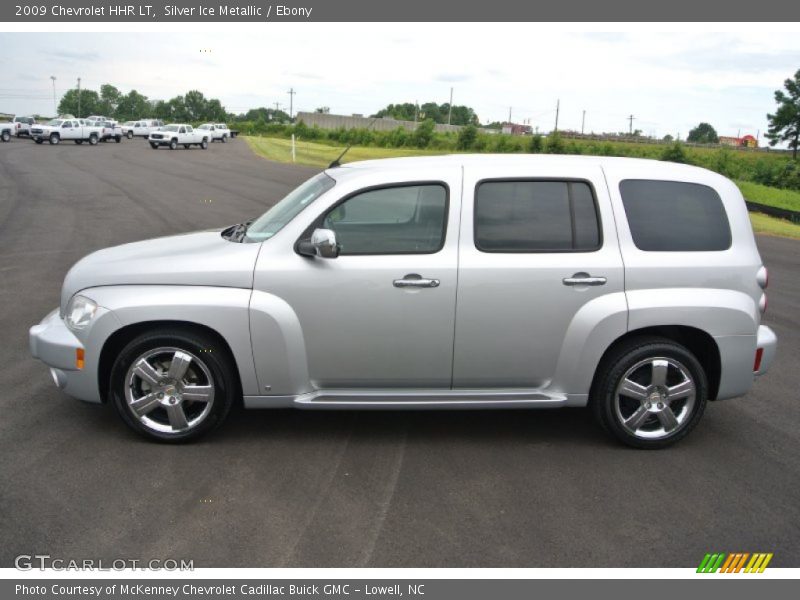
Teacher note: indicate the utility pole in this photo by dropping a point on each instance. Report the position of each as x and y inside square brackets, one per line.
[450, 107]
[79, 97]
[509, 115]
[583, 121]
[416, 111]
[630, 127]
[558, 108]
[55, 109]
[291, 103]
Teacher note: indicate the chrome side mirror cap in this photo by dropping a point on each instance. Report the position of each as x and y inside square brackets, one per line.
[323, 244]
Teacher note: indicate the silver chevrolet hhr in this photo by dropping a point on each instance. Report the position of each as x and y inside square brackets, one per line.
[459, 282]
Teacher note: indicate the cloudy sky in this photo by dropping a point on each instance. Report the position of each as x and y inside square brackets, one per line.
[669, 81]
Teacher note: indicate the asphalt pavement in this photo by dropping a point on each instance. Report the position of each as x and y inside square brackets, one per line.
[322, 489]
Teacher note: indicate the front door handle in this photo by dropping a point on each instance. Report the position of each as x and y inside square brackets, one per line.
[412, 280]
[584, 279]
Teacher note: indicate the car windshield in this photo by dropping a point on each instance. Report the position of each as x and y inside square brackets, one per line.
[272, 221]
[129, 122]
[204, 126]
[171, 128]
[55, 122]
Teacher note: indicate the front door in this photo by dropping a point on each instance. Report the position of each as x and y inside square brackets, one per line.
[381, 315]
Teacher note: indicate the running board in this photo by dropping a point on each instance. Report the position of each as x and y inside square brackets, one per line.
[417, 400]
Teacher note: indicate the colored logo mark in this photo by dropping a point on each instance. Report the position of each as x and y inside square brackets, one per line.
[744, 562]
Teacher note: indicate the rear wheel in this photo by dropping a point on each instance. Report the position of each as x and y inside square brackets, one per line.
[54, 139]
[118, 139]
[79, 142]
[186, 146]
[39, 140]
[173, 386]
[173, 145]
[93, 139]
[224, 139]
[649, 393]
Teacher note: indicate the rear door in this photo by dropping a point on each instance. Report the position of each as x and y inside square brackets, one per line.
[538, 246]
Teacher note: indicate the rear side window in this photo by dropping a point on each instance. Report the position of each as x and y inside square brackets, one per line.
[674, 216]
[536, 216]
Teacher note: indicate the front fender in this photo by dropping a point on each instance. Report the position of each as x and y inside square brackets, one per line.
[225, 310]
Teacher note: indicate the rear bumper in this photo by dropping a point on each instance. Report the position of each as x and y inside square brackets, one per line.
[767, 342]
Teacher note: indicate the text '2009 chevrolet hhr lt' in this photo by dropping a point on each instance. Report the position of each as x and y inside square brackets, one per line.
[459, 282]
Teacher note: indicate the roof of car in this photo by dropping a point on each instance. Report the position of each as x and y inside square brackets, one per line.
[516, 160]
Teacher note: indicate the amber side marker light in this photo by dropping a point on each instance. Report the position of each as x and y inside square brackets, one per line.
[79, 357]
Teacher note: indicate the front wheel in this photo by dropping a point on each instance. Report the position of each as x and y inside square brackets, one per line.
[54, 139]
[39, 141]
[79, 142]
[186, 146]
[204, 144]
[224, 139]
[173, 145]
[649, 393]
[118, 139]
[154, 146]
[173, 386]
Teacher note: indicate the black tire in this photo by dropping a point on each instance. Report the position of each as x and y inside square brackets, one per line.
[130, 135]
[93, 140]
[607, 408]
[118, 138]
[203, 349]
[187, 146]
[39, 140]
[54, 139]
[224, 139]
[173, 144]
[5, 136]
[79, 142]
[154, 146]
[204, 144]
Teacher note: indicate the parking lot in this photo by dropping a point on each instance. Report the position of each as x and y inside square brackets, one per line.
[382, 489]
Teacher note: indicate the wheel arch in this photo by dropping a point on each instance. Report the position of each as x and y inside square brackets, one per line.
[698, 342]
[122, 336]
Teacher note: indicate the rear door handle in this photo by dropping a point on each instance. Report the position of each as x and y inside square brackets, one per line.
[584, 279]
[415, 281]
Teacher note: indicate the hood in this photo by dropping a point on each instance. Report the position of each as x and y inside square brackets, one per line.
[201, 258]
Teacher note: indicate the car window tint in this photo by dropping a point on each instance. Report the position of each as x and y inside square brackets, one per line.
[409, 219]
[675, 216]
[535, 216]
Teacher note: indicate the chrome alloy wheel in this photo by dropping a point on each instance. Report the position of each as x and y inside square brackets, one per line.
[655, 398]
[169, 390]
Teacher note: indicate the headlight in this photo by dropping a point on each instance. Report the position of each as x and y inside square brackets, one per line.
[80, 312]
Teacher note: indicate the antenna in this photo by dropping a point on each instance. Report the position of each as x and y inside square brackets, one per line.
[337, 163]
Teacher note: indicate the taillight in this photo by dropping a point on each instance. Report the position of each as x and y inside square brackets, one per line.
[757, 362]
[762, 277]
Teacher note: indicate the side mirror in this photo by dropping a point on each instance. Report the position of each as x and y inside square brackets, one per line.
[323, 244]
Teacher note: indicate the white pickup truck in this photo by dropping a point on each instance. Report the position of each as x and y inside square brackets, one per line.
[58, 130]
[179, 134]
[109, 130]
[6, 129]
[217, 131]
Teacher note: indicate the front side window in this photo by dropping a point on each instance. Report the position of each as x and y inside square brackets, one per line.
[272, 221]
[536, 216]
[406, 219]
[675, 216]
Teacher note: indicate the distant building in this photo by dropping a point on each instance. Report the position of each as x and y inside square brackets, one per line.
[516, 129]
[747, 141]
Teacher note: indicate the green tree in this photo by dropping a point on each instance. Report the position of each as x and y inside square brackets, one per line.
[675, 153]
[536, 145]
[784, 124]
[466, 137]
[89, 103]
[703, 134]
[110, 97]
[322, 110]
[423, 134]
[555, 143]
[460, 115]
[133, 105]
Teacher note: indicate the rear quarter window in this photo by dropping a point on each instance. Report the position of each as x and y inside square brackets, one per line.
[675, 216]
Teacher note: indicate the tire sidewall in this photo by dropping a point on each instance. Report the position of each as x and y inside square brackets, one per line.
[173, 145]
[214, 357]
[603, 394]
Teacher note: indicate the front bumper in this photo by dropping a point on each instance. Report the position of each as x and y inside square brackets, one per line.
[52, 342]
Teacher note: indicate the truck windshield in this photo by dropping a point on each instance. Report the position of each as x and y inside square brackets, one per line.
[272, 221]
[55, 122]
[171, 128]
